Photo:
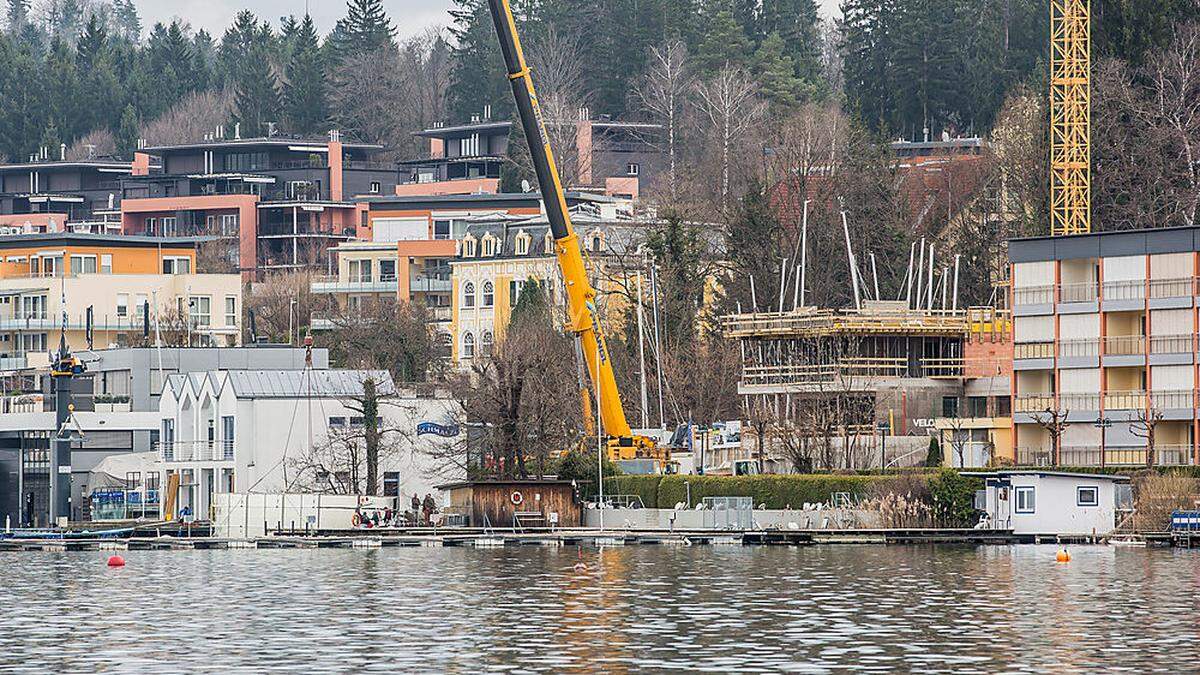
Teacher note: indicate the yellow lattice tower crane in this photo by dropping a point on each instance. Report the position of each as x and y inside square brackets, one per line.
[1070, 115]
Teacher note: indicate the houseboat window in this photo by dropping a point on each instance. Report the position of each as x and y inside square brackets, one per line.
[1024, 497]
[1087, 496]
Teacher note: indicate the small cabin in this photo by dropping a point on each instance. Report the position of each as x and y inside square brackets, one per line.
[515, 503]
[1031, 502]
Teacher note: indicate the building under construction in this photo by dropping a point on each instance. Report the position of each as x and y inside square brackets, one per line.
[861, 380]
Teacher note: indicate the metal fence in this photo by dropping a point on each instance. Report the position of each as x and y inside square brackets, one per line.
[729, 513]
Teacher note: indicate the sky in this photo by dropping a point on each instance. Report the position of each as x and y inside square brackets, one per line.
[410, 16]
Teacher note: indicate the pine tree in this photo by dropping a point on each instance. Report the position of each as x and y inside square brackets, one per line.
[305, 98]
[367, 28]
[775, 73]
[925, 67]
[725, 43]
[477, 71]
[125, 17]
[256, 94]
[128, 133]
[933, 456]
[51, 140]
[867, 67]
[91, 44]
[18, 15]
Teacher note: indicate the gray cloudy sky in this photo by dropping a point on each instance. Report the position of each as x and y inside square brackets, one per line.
[411, 16]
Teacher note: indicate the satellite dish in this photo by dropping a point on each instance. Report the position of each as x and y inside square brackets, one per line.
[525, 186]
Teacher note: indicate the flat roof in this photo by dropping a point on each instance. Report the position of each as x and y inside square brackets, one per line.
[50, 238]
[69, 164]
[1037, 472]
[487, 125]
[273, 141]
[503, 198]
[1180, 239]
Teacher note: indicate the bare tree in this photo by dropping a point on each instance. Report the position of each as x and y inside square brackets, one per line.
[1145, 426]
[384, 333]
[97, 143]
[190, 119]
[282, 303]
[363, 97]
[1172, 110]
[663, 95]
[729, 103]
[1054, 421]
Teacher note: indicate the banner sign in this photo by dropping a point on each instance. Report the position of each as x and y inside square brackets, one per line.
[444, 430]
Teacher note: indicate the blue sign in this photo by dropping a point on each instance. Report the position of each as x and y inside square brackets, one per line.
[444, 430]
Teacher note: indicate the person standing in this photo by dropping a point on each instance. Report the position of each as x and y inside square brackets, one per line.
[416, 508]
[430, 507]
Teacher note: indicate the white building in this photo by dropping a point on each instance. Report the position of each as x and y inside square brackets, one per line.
[274, 431]
[1053, 503]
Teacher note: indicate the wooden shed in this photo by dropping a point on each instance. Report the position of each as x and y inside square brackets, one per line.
[516, 503]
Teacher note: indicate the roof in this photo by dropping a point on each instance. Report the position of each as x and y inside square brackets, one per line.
[619, 235]
[1146, 241]
[509, 199]
[263, 384]
[487, 125]
[97, 239]
[1038, 472]
[69, 164]
[274, 141]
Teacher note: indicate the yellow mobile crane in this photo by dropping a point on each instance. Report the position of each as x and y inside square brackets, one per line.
[582, 319]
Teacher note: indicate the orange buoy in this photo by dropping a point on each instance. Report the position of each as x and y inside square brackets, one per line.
[116, 561]
[1063, 556]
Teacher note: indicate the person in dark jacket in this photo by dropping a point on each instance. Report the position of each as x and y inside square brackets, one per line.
[416, 508]
[429, 507]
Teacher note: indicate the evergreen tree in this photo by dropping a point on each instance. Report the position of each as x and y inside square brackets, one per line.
[925, 66]
[18, 15]
[725, 43]
[933, 456]
[256, 93]
[51, 140]
[477, 71]
[126, 20]
[204, 56]
[366, 27]
[128, 133]
[775, 73]
[305, 97]
[867, 65]
[91, 44]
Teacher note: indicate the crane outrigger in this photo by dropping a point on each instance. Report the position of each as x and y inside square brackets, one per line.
[582, 318]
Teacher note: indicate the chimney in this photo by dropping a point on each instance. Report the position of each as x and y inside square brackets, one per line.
[237, 131]
[62, 151]
[487, 112]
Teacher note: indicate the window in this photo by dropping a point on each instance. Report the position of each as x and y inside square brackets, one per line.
[210, 223]
[375, 187]
[231, 313]
[168, 439]
[337, 422]
[1024, 497]
[200, 310]
[246, 161]
[468, 350]
[227, 436]
[468, 294]
[177, 265]
[152, 226]
[391, 483]
[122, 304]
[441, 229]
[387, 270]
[33, 307]
[168, 226]
[229, 224]
[489, 294]
[106, 263]
[1087, 496]
[949, 406]
[1003, 406]
[489, 246]
[33, 342]
[485, 343]
[522, 243]
[548, 244]
[632, 168]
[468, 247]
[360, 271]
[83, 264]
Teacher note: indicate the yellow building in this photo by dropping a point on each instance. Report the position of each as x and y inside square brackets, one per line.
[46, 278]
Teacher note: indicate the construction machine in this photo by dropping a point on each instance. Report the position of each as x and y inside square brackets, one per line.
[582, 319]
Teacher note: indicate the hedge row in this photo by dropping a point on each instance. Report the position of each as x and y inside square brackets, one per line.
[776, 491]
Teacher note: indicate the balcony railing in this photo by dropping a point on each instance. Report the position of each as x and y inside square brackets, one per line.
[1126, 289]
[1033, 350]
[1178, 287]
[1172, 399]
[1124, 345]
[1079, 347]
[851, 372]
[1094, 455]
[1078, 292]
[1068, 401]
[1124, 400]
[195, 451]
[1170, 344]
[1034, 403]
[1033, 295]
[386, 283]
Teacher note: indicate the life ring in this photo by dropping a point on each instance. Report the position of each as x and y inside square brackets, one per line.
[516, 498]
[356, 519]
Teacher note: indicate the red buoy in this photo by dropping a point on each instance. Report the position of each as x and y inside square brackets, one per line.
[116, 561]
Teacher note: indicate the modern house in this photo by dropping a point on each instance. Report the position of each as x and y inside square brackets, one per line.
[1052, 503]
[1105, 352]
[100, 285]
[278, 431]
[609, 157]
[55, 195]
[283, 200]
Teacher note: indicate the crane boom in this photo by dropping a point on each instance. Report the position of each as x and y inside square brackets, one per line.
[581, 307]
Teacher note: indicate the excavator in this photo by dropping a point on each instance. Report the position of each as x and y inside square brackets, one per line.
[625, 448]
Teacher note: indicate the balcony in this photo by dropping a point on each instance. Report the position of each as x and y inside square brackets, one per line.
[1033, 295]
[1068, 401]
[1124, 345]
[1128, 289]
[1178, 287]
[1078, 292]
[1034, 403]
[195, 451]
[440, 314]
[429, 284]
[1094, 455]
[1172, 399]
[1171, 344]
[1033, 350]
[1124, 400]
[1079, 347]
[386, 283]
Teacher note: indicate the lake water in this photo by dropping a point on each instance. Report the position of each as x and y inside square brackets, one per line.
[820, 608]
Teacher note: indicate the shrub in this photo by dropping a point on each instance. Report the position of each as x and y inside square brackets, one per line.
[645, 487]
[776, 491]
[954, 498]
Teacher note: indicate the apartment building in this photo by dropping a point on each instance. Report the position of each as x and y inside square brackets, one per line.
[53, 195]
[283, 200]
[1105, 352]
[611, 157]
[100, 285]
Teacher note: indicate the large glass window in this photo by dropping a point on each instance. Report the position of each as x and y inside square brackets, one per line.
[246, 161]
[360, 271]
[387, 270]
[83, 264]
[227, 436]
